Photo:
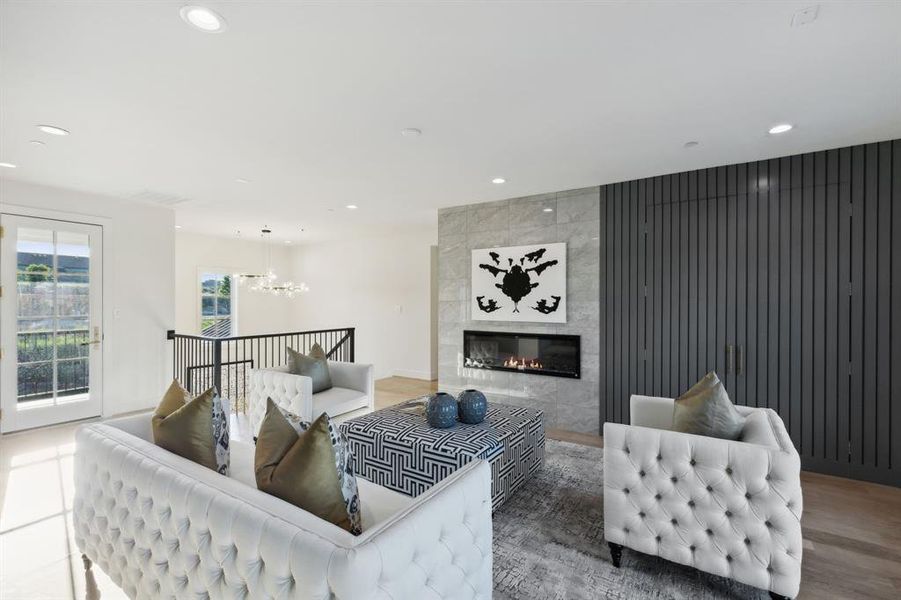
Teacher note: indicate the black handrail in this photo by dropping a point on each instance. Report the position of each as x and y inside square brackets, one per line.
[200, 361]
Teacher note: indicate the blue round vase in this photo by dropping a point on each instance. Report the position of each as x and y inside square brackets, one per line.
[441, 410]
[473, 406]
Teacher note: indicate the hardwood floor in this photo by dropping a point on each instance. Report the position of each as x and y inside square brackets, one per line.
[852, 530]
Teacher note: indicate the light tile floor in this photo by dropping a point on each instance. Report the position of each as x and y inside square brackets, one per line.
[38, 556]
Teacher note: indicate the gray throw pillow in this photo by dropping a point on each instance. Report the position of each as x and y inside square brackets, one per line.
[705, 409]
[313, 365]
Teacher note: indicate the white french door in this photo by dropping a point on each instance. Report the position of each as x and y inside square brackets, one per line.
[50, 322]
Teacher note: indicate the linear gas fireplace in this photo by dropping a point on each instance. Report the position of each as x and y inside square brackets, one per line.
[538, 353]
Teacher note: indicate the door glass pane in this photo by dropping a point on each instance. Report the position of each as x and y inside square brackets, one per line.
[70, 335]
[35, 381]
[72, 377]
[36, 344]
[53, 288]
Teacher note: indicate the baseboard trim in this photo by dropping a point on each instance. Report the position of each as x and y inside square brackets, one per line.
[423, 375]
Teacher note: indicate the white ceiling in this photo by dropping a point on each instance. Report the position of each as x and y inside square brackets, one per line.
[308, 100]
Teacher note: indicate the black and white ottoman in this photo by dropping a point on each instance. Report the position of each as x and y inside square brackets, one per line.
[395, 447]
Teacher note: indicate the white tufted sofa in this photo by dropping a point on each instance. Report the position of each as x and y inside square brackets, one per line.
[731, 508]
[352, 389]
[164, 527]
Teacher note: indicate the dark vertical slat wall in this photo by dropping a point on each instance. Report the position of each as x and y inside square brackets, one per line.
[793, 264]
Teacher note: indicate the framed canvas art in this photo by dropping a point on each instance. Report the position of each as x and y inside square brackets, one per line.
[520, 283]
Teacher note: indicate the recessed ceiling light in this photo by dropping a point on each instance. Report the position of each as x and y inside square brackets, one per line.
[351, 207]
[548, 209]
[498, 180]
[178, 226]
[780, 128]
[242, 180]
[411, 132]
[36, 143]
[202, 18]
[690, 144]
[287, 241]
[7, 165]
[53, 130]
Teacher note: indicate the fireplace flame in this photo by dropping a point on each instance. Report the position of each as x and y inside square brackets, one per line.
[515, 362]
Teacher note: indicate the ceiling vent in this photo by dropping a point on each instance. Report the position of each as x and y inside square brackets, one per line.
[159, 198]
[805, 16]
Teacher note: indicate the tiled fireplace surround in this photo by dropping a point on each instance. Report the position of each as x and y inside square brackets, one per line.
[570, 404]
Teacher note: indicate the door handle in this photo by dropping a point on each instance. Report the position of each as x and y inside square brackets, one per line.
[741, 361]
[730, 358]
[97, 339]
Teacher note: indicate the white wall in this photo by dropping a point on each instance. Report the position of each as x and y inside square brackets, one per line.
[355, 283]
[257, 313]
[380, 285]
[138, 286]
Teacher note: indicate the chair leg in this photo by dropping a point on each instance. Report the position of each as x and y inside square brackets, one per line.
[616, 554]
[87, 562]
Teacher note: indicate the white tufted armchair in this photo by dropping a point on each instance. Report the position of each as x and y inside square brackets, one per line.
[731, 508]
[353, 389]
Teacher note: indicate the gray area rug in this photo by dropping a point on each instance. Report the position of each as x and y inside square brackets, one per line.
[549, 542]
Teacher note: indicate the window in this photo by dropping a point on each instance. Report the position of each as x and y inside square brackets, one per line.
[216, 304]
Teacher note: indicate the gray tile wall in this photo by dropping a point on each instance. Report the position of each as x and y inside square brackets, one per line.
[571, 404]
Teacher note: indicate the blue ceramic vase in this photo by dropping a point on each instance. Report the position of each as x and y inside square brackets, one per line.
[441, 410]
[473, 406]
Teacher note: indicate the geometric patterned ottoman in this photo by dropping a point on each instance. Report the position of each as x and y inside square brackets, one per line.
[395, 447]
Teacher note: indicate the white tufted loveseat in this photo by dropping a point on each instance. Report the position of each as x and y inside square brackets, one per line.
[164, 527]
[731, 508]
[353, 389]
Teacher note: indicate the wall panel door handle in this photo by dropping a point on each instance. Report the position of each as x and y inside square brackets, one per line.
[730, 358]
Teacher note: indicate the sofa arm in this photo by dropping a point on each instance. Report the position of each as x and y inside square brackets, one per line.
[651, 411]
[293, 393]
[438, 547]
[353, 376]
[728, 508]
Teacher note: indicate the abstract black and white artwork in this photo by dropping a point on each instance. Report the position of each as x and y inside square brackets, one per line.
[520, 283]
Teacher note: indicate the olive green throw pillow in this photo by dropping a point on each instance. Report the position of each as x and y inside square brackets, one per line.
[196, 429]
[300, 467]
[705, 409]
[313, 365]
